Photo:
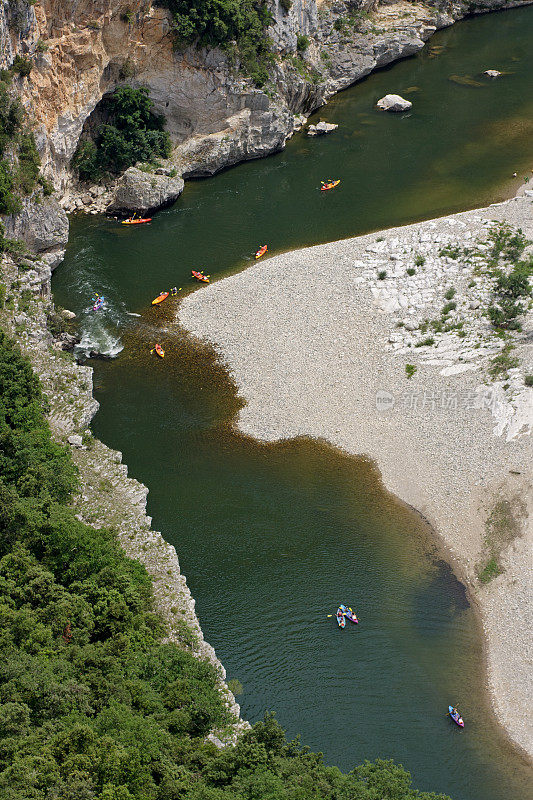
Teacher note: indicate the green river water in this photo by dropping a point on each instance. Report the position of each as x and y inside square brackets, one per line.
[272, 538]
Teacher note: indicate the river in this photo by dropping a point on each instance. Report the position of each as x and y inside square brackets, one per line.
[272, 538]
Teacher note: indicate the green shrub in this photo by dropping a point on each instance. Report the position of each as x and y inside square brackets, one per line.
[302, 43]
[426, 342]
[2, 294]
[451, 251]
[505, 242]
[503, 362]
[411, 270]
[21, 176]
[22, 65]
[451, 306]
[47, 185]
[489, 571]
[42, 46]
[29, 164]
[9, 203]
[419, 260]
[410, 370]
[449, 294]
[218, 23]
[382, 274]
[286, 5]
[528, 380]
[511, 289]
[134, 133]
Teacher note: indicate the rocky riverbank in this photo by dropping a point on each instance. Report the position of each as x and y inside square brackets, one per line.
[107, 497]
[379, 345]
[214, 114]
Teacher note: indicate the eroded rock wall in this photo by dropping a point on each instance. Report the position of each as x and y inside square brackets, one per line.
[215, 116]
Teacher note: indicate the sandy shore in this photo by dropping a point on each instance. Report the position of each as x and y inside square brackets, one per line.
[317, 344]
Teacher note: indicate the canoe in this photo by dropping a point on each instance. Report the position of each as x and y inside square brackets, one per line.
[131, 221]
[160, 298]
[200, 276]
[341, 622]
[159, 350]
[349, 614]
[330, 185]
[457, 719]
[262, 250]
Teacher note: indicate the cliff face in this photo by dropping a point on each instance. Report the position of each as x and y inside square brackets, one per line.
[215, 116]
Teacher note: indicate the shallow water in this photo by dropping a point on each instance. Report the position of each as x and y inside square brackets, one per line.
[272, 538]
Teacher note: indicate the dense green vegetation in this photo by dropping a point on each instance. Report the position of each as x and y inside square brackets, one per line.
[93, 706]
[238, 26]
[19, 159]
[134, 133]
[511, 273]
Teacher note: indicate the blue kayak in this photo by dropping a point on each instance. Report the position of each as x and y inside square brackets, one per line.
[341, 622]
[457, 718]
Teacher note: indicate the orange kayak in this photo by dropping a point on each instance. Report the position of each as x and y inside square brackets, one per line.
[160, 298]
[261, 252]
[159, 350]
[200, 276]
[132, 221]
[329, 185]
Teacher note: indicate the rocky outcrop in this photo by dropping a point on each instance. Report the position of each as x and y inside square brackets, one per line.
[87, 49]
[393, 102]
[145, 191]
[321, 128]
[43, 226]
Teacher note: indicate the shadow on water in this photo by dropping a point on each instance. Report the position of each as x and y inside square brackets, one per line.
[273, 537]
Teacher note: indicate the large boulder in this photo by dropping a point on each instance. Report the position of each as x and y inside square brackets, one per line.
[492, 73]
[393, 102]
[321, 128]
[42, 226]
[141, 191]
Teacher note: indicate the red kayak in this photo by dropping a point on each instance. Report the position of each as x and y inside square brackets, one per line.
[132, 221]
[200, 276]
[160, 298]
[262, 250]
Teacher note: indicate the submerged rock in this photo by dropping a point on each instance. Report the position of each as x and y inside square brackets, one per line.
[145, 191]
[321, 128]
[393, 102]
[492, 73]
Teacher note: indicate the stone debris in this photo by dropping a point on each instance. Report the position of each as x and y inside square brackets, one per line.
[321, 128]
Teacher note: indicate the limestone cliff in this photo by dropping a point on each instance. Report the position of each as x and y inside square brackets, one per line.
[215, 116]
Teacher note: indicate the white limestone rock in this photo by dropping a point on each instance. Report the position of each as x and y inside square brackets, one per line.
[321, 128]
[393, 102]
